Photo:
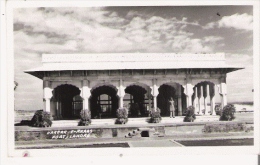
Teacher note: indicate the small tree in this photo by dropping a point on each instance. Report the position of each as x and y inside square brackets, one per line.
[122, 116]
[228, 113]
[85, 118]
[155, 116]
[41, 119]
[190, 114]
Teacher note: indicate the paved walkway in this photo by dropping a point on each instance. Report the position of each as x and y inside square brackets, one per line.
[166, 141]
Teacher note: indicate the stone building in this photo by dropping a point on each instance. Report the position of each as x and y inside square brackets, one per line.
[138, 81]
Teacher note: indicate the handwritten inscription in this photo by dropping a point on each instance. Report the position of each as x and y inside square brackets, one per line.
[70, 134]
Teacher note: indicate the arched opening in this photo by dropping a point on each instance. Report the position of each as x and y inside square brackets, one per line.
[77, 105]
[65, 98]
[203, 98]
[136, 99]
[168, 91]
[103, 102]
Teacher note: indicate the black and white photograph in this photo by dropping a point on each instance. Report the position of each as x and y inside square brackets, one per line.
[132, 76]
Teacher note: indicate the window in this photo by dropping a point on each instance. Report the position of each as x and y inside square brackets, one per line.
[105, 103]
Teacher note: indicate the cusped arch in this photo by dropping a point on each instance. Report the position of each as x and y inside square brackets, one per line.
[98, 85]
[211, 81]
[138, 84]
[64, 90]
[60, 83]
[203, 84]
[173, 84]
[179, 82]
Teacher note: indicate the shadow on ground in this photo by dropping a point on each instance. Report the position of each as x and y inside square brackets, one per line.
[23, 123]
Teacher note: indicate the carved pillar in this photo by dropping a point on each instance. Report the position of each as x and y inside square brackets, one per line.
[179, 102]
[206, 95]
[47, 94]
[195, 100]
[154, 92]
[188, 90]
[202, 99]
[212, 100]
[223, 91]
[199, 96]
[121, 93]
[85, 94]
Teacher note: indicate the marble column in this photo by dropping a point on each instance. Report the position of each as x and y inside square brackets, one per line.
[223, 93]
[222, 89]
[206, 98]
[212, 101]
[85, 94]
[179, 106]
[47, 94]
[121, 93]
[179, 101]
[188, 90]
[154, 92]
[195, 100]
[199, 99]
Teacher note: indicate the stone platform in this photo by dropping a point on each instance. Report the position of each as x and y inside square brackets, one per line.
[136, 127]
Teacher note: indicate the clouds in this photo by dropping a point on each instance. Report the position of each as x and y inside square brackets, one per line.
[97, 30]
[235, 21]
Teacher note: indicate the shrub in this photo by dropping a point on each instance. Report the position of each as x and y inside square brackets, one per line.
[41, 119]
[155, 116]
[190, 114]
[227, 114]
[122, 116]
[218, 110]
[85, 118]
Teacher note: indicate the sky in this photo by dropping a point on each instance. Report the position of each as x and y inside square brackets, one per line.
[157, 29]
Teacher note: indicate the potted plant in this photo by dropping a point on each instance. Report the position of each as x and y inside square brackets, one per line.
[155, 116]
[41, 119]
[228, 113]
[190, 114]
[85, 118]
[122, 116]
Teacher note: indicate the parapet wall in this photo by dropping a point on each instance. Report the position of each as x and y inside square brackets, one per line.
[127, 57]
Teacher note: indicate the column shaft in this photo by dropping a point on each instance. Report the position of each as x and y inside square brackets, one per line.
[121, 102]
[47, 94]
[202, 99]
[179, 106]
[212, 104]
[223, 93]
[155, 102]
[47, 105]
[195, 100]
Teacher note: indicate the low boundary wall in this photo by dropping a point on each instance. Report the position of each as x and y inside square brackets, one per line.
[129, 131]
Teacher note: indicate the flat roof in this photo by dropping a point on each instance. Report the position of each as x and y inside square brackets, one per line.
[131, 61]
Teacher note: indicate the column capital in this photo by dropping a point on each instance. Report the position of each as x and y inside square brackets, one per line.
[121, 91]
[85, 92]
[46, 83]
[47, 93]
[222, 79]
[154, 90]
[188, 89]
[222, 88]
